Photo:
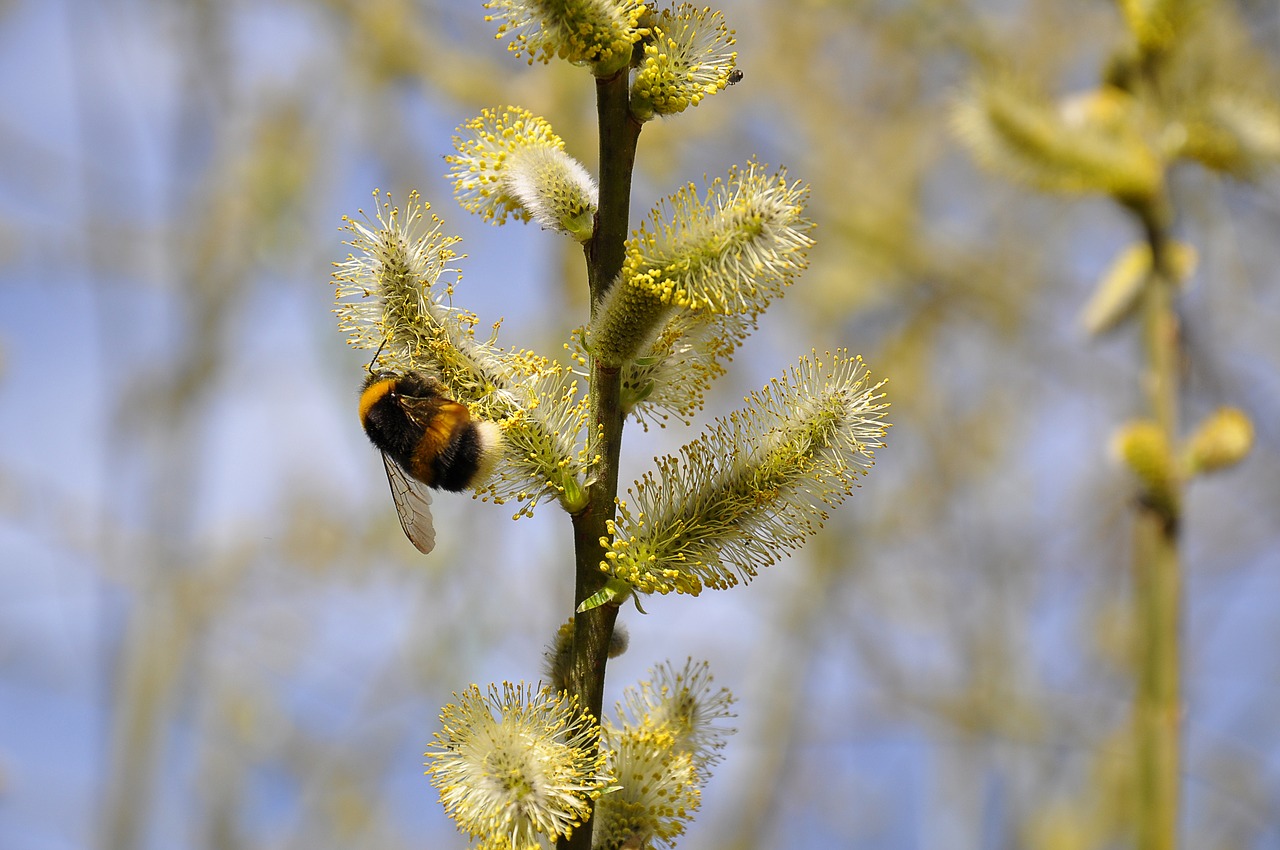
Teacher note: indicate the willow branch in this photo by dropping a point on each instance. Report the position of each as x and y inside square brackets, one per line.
[593, 629]
[1157, 572]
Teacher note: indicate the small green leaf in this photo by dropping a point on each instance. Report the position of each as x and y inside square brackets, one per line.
[614, 592]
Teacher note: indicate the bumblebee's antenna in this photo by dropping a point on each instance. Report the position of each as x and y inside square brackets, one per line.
[376, 355]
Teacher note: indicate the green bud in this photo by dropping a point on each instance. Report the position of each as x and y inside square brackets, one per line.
[1221, 441]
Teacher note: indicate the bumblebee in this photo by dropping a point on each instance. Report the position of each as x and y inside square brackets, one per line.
[427, 440]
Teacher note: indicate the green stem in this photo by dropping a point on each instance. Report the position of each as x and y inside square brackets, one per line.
[1157, 573]
[593, 630]
[619, 133]
[145, 696]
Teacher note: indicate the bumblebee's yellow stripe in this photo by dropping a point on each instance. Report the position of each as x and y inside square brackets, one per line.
[373, 394]
[448, 418]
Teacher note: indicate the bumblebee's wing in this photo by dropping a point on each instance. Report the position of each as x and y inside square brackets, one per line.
[424, 410]
[413, 504]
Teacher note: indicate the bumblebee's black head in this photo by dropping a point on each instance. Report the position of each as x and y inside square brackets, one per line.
[383, 415]
[411, 384]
